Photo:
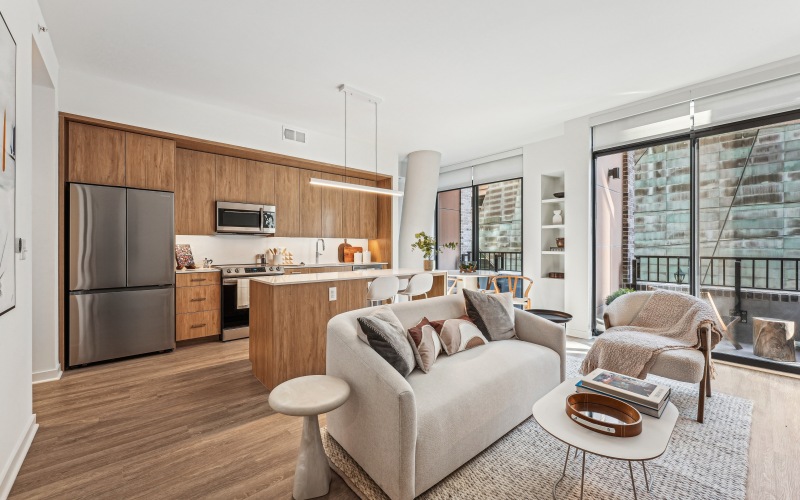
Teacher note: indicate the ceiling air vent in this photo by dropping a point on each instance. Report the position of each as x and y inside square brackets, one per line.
[291, 134]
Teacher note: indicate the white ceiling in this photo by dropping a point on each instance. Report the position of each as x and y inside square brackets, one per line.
[465, 77]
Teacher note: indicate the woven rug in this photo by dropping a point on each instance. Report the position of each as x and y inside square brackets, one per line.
[703, 461]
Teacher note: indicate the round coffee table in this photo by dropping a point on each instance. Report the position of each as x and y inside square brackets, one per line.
[309, 397]
[550, 413]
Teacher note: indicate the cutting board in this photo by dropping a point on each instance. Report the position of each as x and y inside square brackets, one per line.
[350, 251]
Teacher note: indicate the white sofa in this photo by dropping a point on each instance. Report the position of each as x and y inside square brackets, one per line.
[410, 433]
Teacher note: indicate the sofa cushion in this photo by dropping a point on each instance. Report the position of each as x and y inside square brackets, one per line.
[493, 313]
[386, 335]
[467, 402]
[425, 343]
[458, 334]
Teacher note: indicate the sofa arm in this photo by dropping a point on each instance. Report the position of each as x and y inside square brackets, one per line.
[532, 328]
[377, 425]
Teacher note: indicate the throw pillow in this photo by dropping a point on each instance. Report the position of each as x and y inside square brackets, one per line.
[387, 337]
[458, 334]
[382, 313]
[425, 343]
[493, 313]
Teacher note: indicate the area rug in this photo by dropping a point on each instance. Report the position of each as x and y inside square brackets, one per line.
[703, 461]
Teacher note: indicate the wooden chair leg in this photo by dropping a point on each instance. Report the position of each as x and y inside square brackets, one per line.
[708, 382]
[701, 401]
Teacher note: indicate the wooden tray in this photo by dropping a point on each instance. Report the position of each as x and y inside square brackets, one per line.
[350, 251]
[604, 414]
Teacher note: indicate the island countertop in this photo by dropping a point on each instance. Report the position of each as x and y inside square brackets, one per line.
[292, 279]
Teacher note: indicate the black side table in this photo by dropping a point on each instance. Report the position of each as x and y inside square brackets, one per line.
[554, 316]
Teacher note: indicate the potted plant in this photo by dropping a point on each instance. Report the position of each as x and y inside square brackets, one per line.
[618, 293]
[427, 245]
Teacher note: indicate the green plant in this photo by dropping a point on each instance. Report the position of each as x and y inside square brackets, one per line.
[618, 293]
[427, 245]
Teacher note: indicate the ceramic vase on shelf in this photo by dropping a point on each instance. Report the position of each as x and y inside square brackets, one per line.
[557, 218]
[428, 264]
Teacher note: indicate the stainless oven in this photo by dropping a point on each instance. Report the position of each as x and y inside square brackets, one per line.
[245, 218]
[236, 296]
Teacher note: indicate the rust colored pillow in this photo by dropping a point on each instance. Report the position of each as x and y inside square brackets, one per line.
[458, 334]
[425, 343]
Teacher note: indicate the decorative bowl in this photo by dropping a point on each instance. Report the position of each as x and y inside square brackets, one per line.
[604, 414]
[559, 194]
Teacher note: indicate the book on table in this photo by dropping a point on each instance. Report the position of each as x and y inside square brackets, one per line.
[628, 389]
[644, 410]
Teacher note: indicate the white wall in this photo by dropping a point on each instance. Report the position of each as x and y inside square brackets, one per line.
[17, 421]
[44, 242]
[242, 249]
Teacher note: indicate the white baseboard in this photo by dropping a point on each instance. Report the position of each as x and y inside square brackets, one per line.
[47, 375]
[17, 457]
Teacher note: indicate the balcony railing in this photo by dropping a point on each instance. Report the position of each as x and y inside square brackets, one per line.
[757, 273]
[496, 261]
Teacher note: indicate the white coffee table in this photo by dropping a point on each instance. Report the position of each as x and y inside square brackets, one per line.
[550, 413]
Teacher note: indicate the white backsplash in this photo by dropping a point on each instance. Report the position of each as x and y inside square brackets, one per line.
[242, 249]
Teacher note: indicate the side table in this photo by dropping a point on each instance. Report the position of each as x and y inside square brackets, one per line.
[309, 397]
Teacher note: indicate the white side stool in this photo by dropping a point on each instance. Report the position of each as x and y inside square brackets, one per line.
[308, 397]
[381, 289]
[419, 284]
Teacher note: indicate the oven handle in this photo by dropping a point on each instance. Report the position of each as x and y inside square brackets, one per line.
[261, 219]
[230, 281]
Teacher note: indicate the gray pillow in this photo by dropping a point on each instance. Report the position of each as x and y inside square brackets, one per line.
[492, 313]
[386, 335]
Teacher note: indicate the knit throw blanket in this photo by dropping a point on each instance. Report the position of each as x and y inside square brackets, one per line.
[667, 321]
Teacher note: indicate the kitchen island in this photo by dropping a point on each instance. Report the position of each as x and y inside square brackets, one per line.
[289, 317]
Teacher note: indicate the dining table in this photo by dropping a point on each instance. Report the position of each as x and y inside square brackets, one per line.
[469, 281]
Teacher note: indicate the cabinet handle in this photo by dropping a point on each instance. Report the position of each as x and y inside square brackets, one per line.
[198, 299]
[197, 279]
[201, 325]
[296, 272]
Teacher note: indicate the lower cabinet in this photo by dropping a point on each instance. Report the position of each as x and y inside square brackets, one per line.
[197, 305]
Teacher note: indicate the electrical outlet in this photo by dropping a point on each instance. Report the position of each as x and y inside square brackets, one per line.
[332, 293]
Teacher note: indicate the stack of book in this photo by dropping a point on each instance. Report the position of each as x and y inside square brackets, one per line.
[646, 397]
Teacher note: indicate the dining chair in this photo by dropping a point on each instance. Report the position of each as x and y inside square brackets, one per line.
[452, 284]
[382, 289]
[514, 282]
[419, 284]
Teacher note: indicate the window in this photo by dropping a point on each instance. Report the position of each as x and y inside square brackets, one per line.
[733, 193]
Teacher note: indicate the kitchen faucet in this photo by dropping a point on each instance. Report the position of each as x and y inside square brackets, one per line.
[318, 252]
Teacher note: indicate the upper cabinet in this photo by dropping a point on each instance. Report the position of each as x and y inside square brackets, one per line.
[368, 227]
[332, 220]
[311, 205]
[149, 162]
[96, 155]
[260, 183]
[195, 174]
[231, 181]
[287, 201]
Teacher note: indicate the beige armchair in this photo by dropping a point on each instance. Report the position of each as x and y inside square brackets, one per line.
[685, 365]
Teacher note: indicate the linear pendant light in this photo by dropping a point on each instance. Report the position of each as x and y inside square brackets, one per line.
[315, 181]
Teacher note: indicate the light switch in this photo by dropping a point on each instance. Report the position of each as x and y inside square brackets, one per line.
[332, 293]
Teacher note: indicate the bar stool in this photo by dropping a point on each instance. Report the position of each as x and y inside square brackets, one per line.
[382, 288]
[419, 284]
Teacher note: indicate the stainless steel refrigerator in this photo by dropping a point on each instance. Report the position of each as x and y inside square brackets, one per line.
[120, 274]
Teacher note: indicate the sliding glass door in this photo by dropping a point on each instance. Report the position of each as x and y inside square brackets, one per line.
[732, 193]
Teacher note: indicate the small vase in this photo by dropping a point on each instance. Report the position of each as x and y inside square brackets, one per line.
[428, 264]
[557, 219]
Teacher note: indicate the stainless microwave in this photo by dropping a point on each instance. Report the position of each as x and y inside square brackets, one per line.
[245, 218]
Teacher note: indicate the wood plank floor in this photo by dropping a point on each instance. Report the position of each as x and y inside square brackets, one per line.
[196, 424]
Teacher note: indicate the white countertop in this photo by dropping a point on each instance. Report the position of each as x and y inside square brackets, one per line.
[291, 279]
[198, 270]
[333, 264]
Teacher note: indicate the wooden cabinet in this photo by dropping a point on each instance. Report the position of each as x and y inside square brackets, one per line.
[194, 192]
[368, 222]
[260, 183]
[96, 155]
[351, 205]
[287, 201]
[231, 181]
[332, 216]
[197, 305]
[310, 205]
[149, 162]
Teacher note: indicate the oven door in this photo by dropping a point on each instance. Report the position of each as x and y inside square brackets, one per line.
[235, 320]
[239, 218]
